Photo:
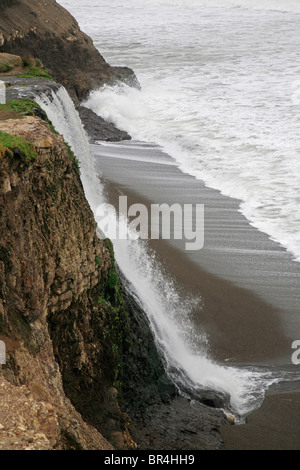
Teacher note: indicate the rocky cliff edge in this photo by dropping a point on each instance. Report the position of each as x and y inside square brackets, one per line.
[54, 272]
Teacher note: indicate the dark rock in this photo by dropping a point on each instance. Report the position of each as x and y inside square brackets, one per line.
[98, 129]
[125, 75]
[41, 114]
[210, 398]
[181, 425]
[17, 88]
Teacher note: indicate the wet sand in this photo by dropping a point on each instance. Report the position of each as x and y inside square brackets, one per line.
[233, 251]
[230, 316]
[275, 426]
[249, 285]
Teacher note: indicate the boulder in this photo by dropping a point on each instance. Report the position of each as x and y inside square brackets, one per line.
[9, 60]
[98, 129]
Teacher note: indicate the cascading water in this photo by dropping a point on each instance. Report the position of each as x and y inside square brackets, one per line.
[61, 111]
[188, 363]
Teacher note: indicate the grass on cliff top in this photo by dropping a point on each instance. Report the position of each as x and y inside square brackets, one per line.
[28, 107]
[5, 67]
[10, 143]
[35, 69]
[23, 107]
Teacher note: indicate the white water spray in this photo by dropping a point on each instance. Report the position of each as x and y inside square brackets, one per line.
[61, 111]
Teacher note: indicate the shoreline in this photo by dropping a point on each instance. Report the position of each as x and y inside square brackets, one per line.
[250, 320]
[230, 314]
[222, 301]
[235, 255]
[274, 426]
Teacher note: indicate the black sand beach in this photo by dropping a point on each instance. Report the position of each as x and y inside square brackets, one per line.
[249, 285]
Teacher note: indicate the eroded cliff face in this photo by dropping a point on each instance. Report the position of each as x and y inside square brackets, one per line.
[45, 30]
[59, 331]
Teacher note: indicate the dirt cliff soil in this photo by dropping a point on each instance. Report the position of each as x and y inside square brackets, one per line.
[45, 30]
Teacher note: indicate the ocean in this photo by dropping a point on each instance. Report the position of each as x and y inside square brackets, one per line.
[220, 94]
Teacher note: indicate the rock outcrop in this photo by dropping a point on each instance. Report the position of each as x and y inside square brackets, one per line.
[29, 422]
[10, 63]
[98, 129]
[45, 30]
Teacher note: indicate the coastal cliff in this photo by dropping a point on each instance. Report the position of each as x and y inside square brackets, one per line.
[45, 30]
[81, 357]
[54, 275]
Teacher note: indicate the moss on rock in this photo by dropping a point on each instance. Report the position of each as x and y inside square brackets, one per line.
[28, 107]
[13, 144]
[35, 69]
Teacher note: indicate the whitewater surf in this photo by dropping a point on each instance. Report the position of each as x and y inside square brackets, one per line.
[221, 96]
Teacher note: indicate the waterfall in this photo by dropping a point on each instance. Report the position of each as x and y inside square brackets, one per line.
[187, 361]
[61, 111]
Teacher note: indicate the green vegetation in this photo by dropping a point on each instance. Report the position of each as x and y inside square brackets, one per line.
[110, 247]
[112, 289]
[36, 72]
[35, 69]
[9, 144]
[113, 280]
[28, 107]
[113, 312]
[73, 157]
[103, 303]
[5, 67]
[25, 106]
